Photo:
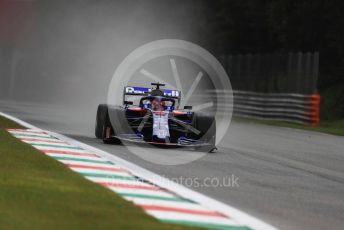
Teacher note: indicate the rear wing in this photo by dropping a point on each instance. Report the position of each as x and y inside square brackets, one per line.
[129, 90]
[142, 91]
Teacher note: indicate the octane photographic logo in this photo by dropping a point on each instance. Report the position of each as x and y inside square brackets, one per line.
[183, 67]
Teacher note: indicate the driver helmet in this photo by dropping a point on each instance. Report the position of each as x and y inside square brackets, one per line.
[158, 106]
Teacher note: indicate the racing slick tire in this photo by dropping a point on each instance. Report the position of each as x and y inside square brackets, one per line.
[100, 120]
[207, 125]
[103, 125]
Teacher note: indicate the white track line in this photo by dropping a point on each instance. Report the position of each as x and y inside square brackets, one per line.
[190, 217]
[96, 158]
[95, 171]
[142, 192]
[114, 181]
[76, 162]
[175, 204]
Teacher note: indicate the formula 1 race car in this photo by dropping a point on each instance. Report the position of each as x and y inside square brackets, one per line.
[155, 120]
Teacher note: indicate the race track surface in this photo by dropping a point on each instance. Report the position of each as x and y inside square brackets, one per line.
[289, 178]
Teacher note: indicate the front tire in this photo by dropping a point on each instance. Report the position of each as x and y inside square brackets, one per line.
[207, 125]
[104, 130]
[102, 112]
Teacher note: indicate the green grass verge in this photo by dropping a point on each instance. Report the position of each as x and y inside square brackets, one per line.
[37, 192]
[330, 127]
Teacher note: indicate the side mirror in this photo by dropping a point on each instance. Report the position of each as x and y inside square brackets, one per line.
[128, 102]
[188, 107]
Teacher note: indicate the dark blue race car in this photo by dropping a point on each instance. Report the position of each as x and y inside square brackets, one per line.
[155, 120]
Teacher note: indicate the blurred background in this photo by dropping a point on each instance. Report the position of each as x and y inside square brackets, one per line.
[63, 54]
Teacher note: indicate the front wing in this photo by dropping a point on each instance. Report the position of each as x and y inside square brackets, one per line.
[182, 142]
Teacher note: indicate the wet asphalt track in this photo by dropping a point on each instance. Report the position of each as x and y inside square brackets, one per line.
[289, 178]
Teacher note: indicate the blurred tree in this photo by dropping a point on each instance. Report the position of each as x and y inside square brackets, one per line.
[251, 26]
